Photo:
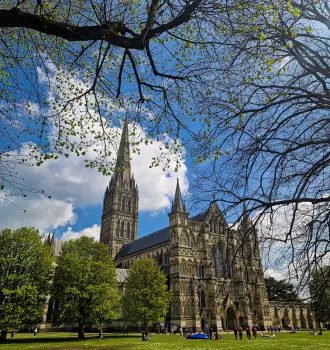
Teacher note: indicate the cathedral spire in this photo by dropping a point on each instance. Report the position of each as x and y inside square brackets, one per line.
[123, 159]
[178, 204]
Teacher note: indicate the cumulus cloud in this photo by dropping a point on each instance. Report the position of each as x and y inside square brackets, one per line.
[93, 231]
[40, 212]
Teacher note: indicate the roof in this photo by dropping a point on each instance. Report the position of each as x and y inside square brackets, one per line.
[200, 216]
[153, 239]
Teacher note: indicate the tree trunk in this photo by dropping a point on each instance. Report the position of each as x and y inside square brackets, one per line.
[145, 326]
[3, 335]
[81, 333]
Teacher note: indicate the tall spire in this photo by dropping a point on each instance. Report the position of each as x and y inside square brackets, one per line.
[178, 204]
[123, 159]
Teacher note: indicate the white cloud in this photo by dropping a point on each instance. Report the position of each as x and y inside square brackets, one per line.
[40, 212]
[93, 231]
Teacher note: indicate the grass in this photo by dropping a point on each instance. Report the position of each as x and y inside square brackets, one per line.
[68, 341]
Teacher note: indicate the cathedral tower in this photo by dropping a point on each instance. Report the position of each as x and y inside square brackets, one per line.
[121, 199]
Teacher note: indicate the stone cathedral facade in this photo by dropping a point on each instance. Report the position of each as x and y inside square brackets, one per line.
[214, 271]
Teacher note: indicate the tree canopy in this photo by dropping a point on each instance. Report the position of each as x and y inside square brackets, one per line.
[25, 273]
[146, 298]
[85, 286]
[320, 294]
[248, 99]
[280, 290]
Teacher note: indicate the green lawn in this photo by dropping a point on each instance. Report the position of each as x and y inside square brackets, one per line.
[68, 341]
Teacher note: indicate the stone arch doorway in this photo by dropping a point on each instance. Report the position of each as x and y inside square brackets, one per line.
[241, 321]
[202, 324]
[231, 318]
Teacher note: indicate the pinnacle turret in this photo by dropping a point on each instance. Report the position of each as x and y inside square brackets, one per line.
[178, 204]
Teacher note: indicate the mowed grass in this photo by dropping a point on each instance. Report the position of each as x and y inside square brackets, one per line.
[68, 341]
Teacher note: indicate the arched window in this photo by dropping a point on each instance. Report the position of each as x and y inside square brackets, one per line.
[122, 229]
[118, 228]
[129, 205]
[132, 231]
[123, 204]
[128, 230]
[214, 262]
[201, 299]
[246, 275]
[220, 260]
[201, 270]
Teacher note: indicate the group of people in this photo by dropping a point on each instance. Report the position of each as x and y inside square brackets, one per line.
[239, 332]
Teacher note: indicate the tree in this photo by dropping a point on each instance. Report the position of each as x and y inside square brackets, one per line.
[25, 272]
[99, 55]
[85, 286]
[279, 290]
[320, 294]
[146, 297]
[266, 142]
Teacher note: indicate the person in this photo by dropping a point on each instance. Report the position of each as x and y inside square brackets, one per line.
[35, 331]
[235, 332]
[180, 330]
[100, 333]
[146, 336]
[320, 333]
[240, 332]
[248, 333]
[12, 333]
[126, 332]
[312, 332]
[254, 332]
[211, 331]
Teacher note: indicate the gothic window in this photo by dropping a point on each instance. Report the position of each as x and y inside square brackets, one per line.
[129, 205]
[123, 204]
[122, 229]
[201, 270]
[118, 228]
[128, 230]
[132, 231]
[228, 267]
[214, 262]
[246, 275]
[219, 260]
[201, 299]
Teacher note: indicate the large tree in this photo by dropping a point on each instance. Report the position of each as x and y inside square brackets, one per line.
[243, 85]
[280, 290]
[320, 294]
[25, 274]
[85, 287]
[146, 299]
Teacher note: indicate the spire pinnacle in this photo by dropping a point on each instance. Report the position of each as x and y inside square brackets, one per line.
[123, 159]
[178, 204]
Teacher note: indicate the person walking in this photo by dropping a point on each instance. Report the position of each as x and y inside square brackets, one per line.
[240, 332]
[35, 331]
[248, 333]
[100, 333]
[211, 331]
[12, 333]
[254, 332]
[235, 332]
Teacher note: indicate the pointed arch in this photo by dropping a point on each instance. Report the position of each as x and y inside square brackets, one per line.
[122, 234]
[128, 233]
[132, 231]
[123, 204]
[129, 206]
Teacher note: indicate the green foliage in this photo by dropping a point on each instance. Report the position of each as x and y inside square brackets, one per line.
[85, 287]
[280, 290]
[25, 272]
[319, 288]
[146, 297]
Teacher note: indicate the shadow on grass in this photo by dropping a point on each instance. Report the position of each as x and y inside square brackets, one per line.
[64, 339]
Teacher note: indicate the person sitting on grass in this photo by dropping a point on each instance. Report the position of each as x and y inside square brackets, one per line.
[312, 332]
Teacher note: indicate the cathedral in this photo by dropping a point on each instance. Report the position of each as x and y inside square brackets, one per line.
[213, 270]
